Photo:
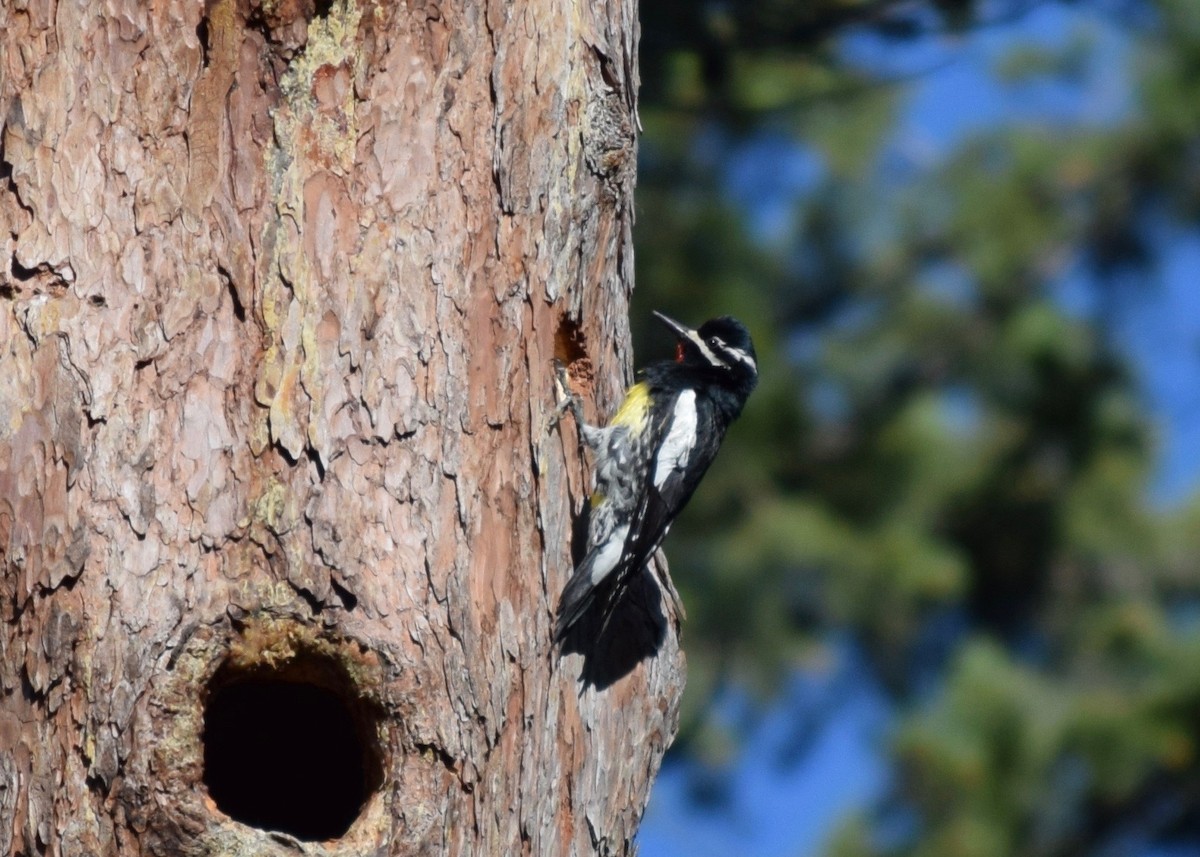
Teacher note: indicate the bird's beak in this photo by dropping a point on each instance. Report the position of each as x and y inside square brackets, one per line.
[680, 330]
[686, 336]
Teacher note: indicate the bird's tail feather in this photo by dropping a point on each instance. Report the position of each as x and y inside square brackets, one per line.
[577, 598]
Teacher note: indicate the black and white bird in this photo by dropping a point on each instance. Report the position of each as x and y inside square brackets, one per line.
[651, 456]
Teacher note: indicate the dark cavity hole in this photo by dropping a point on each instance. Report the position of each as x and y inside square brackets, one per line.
[20, 273]
[322, 8]
[290, 749]
[569, 342]
[202, 35]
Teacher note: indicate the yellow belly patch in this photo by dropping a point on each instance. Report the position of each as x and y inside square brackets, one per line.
[634, 410]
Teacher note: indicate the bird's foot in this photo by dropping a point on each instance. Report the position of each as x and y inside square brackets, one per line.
[568, 399]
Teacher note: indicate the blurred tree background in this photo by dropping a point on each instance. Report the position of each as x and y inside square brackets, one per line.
[949, 467]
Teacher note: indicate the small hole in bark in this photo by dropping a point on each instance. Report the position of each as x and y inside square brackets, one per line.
[20, 273]
[569, 342]
[290, 747]
[202, 35]
[570, 347]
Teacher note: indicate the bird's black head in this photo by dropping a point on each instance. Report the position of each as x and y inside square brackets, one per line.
[722, 349]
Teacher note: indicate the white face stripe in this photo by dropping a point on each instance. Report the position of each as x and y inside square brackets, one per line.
[677, 448]
[743, 356]
[704, 349]
[729, 350]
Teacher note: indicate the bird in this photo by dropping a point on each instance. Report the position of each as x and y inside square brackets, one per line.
[651, 456]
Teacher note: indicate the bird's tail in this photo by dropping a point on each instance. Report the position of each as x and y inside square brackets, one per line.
[577, 599]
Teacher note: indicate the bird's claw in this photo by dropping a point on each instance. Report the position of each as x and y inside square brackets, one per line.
[568, 399]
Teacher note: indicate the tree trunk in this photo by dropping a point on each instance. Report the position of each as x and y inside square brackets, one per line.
[283, 521]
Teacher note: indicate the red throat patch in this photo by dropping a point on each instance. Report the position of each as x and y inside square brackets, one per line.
[679, 351]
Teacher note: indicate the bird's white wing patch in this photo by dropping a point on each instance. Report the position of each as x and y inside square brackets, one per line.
[681, 437]
[609, 554]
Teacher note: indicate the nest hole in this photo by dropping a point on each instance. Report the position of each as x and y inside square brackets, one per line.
[570, 345]
[291, 747]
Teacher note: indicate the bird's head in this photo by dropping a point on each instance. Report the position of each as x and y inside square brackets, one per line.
[722, 345]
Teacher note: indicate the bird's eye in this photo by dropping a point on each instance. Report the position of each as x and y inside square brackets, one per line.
[715, 341]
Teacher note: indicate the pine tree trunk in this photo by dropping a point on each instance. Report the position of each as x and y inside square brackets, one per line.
[282, 520]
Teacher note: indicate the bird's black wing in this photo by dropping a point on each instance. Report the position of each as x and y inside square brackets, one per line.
[662, 499]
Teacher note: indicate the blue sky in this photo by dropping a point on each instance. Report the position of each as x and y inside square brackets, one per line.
[783, 799]
[776, 808]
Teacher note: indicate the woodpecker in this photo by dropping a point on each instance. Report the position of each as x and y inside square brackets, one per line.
[651, 456]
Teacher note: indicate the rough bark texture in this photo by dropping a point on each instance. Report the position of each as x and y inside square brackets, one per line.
[280, 288]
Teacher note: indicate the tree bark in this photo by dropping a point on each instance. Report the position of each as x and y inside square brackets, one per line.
[281, 284]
